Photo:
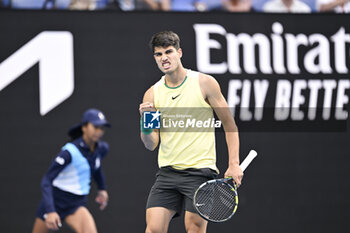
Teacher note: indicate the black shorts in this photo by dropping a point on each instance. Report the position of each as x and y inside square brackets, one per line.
[65, 203]
[174, 189]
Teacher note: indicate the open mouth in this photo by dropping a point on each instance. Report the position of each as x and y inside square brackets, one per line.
[166, 65]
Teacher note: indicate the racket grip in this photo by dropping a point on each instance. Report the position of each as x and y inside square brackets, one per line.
[252, 154]
[226, 179]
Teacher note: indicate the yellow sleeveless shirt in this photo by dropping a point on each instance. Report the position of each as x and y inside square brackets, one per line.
[184, 148]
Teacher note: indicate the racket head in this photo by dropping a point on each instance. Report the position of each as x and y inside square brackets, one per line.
[216, 200]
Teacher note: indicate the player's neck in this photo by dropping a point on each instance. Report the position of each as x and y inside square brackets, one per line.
[175, 78]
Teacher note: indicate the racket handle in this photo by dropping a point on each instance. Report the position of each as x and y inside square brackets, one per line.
[226, 179]
[252, 154]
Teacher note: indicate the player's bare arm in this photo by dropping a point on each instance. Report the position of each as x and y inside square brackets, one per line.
[212, 93]
[149, 140]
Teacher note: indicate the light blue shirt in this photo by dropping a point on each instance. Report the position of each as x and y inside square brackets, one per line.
[76, 176]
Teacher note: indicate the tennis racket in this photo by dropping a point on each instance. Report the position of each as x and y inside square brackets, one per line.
[216, 200]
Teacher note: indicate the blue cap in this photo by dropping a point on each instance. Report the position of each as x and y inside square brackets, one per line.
[96, 117]
[92, 115]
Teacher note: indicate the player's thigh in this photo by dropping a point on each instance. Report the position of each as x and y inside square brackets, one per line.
[195, 223]
[82, 221]
[157, 219]
[40, 226]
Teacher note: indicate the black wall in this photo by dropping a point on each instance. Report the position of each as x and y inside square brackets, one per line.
[298, 183]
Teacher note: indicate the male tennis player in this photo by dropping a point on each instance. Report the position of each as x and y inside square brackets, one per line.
[186, 160]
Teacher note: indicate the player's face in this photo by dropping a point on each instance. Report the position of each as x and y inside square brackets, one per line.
[92, 133]
[167, 59]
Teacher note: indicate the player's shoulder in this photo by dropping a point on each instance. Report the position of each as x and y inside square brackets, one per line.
[206, 79]
[208, 84]
[150, 89]
[149, 95]
[156, 84]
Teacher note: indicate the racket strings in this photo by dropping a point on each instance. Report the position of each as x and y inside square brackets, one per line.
[216, 201]
[225, 201]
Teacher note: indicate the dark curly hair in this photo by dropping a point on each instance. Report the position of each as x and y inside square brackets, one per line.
[165, 39]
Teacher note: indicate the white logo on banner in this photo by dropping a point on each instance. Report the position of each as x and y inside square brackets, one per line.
[279, 53]
[54, 53]
[271, 49]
